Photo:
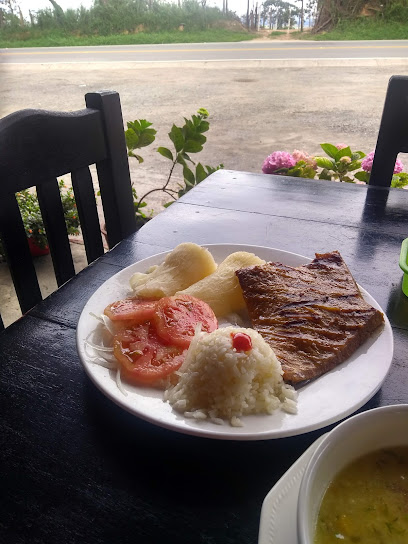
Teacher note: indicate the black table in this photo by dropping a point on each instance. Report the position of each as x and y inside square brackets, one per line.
[76, 468]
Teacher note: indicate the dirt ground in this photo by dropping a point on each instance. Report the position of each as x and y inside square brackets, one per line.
[255, 108]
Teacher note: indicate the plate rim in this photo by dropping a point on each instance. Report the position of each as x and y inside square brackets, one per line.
[216, 433]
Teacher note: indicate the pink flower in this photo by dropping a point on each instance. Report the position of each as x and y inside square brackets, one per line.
[276, 161]
[300, 155]
[399, 167]
[341, 146]
[367, 163]
[303, 156]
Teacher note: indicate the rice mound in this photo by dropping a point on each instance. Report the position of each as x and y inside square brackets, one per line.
[217, 382]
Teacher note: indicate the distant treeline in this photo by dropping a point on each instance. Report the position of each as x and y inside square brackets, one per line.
[107, 17]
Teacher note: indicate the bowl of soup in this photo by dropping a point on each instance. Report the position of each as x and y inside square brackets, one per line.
[355, 486]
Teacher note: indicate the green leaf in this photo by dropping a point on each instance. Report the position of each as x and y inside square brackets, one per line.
[360, 154]
[187, 158]
[132, 139]
[309, 172]
[203, 126]
[347, 179]
[180, 159]
[345, 152]
[201, 174]
[145, 124]
[134, 125]
[354, 165]
[324, 174]
[176, 136]
[324, 162]
[362, 176]
[166, 153]
[168, 204]
[294, 172]
[192, 146]
[197, 137]
[146, 139]
[330, 149]
[188, 175]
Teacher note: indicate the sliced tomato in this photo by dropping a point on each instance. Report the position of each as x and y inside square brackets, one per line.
[144, 358]
[177, 317]
[135, 309]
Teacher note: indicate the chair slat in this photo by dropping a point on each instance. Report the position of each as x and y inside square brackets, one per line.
[88, 213]
[113, 173]
[18, 254]
[53, 216]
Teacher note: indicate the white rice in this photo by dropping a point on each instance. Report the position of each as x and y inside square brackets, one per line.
[216, 382]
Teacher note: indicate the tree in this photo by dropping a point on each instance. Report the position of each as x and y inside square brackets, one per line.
[280, 13]
[10, 11]
[59, 12]
[331, 12]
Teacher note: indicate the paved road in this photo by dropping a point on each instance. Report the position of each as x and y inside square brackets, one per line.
[258, 50]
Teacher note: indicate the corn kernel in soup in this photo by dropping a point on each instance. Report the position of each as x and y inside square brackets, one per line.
[367, 502]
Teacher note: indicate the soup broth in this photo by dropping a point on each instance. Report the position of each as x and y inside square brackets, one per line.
[367, 502]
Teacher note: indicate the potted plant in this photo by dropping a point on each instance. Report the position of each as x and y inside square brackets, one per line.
[33, 223]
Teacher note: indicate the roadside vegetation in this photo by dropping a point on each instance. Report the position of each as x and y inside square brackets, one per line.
[363, 29]
[54, 39]
[119, 22]
[125, 22]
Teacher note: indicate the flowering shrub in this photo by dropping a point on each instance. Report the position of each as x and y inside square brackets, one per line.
[32, 220]
[340, 164]
[278, 161]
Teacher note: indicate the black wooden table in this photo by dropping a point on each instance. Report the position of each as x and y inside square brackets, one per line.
[76, 468]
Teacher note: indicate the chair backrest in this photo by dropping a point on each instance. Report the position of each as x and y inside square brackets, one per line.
[393, 133]
[36, 147]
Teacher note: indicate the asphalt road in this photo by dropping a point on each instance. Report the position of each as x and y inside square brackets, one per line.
[256, 50]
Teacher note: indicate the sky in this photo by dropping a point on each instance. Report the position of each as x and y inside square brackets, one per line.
[239, 6]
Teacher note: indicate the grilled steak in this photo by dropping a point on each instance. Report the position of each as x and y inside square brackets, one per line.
[313, 316]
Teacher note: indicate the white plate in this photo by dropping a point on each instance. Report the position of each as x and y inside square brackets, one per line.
[279, 508]
[326, 400]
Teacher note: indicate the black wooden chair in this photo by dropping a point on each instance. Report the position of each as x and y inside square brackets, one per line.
[393, 133]
[36, 147]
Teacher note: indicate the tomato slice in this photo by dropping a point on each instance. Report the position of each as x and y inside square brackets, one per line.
[135, 309]
[177, 317]
[143, 357]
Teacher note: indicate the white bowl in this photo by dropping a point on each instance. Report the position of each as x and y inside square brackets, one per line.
[361, 434]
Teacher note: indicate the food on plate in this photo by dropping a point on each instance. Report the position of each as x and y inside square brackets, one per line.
[229, 373]
[313, 316]
[221, 289]
[143, 357]
[185, 265]
[149, 350]
[134, 309]
[367, 501]
[177, 317]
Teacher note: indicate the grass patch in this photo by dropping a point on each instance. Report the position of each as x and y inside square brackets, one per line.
[277, 34]
[365, 29]
[42, 39]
